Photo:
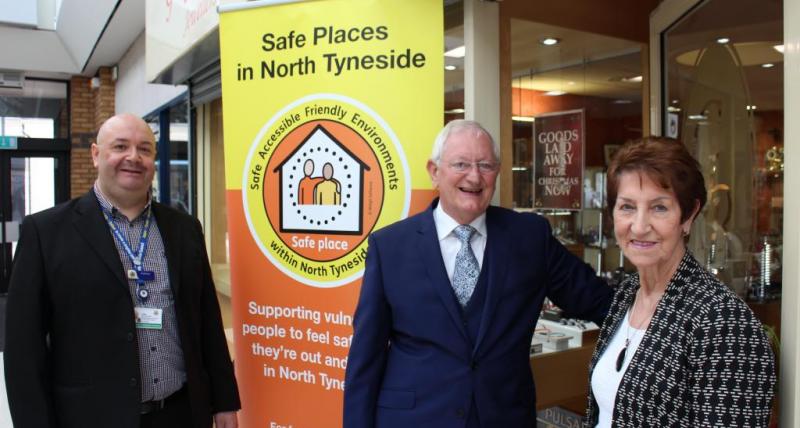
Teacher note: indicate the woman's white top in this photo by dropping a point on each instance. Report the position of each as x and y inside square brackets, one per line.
[605, 377]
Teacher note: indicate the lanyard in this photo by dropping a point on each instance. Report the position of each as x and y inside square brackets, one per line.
[138, 257]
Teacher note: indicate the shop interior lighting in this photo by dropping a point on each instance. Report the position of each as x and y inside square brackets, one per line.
[458, 52]
[554, 93]
[455, 111]
[778, 48]
[449, 67]
[723, 40]
[522, 119]
[698, 117]
[621, 101]
[767, 65]
[632, 79]
[518, 168]
[751, 107]
[550, 41]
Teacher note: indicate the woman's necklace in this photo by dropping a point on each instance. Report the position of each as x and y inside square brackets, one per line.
[628, 337]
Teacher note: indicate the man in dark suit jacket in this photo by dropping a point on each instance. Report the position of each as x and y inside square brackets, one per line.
[445, 318]
[113, 318]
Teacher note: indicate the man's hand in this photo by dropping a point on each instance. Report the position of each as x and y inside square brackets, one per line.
[226, 420]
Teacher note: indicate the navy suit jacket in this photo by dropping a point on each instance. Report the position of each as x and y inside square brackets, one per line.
[412, 363]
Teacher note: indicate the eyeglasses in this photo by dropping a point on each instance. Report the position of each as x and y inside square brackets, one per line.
[483, 167]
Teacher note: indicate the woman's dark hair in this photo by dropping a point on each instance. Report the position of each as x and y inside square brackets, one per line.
[667, 163]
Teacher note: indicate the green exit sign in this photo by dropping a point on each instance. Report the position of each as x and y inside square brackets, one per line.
[8, 143]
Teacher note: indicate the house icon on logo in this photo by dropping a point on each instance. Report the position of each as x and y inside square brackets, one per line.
[321, 185]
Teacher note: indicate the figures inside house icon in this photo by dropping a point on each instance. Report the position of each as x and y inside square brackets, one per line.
[326, 199]
[329, 190]
[324, 190]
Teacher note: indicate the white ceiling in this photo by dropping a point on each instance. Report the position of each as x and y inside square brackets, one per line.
[88, 34]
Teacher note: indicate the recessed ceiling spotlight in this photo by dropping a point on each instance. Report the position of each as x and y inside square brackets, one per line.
[751, 107]
[549, 41]
[675, 101]
[449, 67]
[768, 65]
[554, 93]
[723, 40]
[778, 48]
[458, 52]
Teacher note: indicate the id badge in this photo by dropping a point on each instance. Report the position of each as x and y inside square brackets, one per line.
[148, 318]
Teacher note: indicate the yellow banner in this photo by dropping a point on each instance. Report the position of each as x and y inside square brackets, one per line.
[330, 108]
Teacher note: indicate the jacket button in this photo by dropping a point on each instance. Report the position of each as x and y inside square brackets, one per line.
[132, 381]
[460, 413]
[130, 337]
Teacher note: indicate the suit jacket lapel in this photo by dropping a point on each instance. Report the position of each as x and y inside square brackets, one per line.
[92, 227]
[171, 237]
[431, 254]
[495, 260]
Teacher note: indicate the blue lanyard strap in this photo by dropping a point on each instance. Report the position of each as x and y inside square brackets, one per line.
[136, 258]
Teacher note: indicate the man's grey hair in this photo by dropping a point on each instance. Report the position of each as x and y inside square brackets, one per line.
[456, 126]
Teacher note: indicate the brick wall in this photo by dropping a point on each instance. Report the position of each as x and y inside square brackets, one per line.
[89, 109]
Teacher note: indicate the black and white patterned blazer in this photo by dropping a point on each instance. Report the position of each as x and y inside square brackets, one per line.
[703, 362]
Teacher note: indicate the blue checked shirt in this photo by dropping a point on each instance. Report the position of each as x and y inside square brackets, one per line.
[160, 354]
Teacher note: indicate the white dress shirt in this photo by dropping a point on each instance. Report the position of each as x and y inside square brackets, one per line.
[449, 242]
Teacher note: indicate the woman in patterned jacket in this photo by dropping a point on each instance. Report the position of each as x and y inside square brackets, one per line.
[678, 348]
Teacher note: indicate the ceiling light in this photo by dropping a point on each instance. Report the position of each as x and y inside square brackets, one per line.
[723, 40]
[458, 52]
[767, 65]
[778, 48]
[632, 79]
[455, 111]
[522, 119]
[751, 107]
[549, 41]
[554, 93]
[518, 168]
[449, 67]
[675, 101]
[698, 117]
[621, 102]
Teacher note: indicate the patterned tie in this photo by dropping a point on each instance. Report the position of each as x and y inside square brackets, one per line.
[465, 274]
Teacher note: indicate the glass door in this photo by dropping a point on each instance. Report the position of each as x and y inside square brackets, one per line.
[30, 182]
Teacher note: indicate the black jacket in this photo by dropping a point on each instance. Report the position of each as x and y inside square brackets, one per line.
[704, 360]
[71, 357]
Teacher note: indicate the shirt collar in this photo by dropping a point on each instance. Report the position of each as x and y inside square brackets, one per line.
[446, 224]
[106, 205]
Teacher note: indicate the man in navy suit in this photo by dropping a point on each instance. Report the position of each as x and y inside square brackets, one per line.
[450, 299]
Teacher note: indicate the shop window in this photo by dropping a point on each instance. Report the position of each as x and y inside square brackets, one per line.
[723, 98]
[171, 128]
[592, 84]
